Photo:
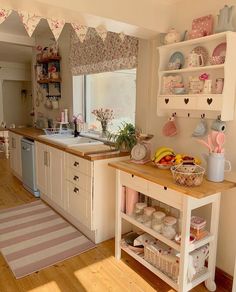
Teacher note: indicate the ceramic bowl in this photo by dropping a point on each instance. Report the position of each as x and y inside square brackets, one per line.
[217, 60]
[180, 90]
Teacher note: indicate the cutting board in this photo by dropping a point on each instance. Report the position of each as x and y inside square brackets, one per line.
[92, 149]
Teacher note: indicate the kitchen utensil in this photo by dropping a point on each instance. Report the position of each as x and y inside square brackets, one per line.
[220, 50]
[203, 52]
[204, 143]
[210, 143]
[177, 60]
[220, 140]
[213, 137]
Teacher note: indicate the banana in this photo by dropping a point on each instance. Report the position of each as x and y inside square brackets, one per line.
[163, 149]
[162, 155]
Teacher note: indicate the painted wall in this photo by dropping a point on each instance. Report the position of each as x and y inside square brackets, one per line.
[66, 100]
[183, 142]
[16, 108]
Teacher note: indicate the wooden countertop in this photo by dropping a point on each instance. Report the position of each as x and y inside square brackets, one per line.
[164, 178]
[93, 152]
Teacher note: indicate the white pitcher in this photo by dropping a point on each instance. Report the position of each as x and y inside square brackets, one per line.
[195, 60]
[216, 166]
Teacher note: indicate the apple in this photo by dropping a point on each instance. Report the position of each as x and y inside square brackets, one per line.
[168, 157]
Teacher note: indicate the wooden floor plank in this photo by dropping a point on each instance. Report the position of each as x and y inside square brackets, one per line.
[96, 270]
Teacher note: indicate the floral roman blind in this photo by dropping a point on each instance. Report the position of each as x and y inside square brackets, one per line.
[95, 56]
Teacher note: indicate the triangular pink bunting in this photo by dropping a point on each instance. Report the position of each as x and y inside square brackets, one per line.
[56, 27]
[122, 36]
[80, 30]
[102, 32]
[4, 13]
[29, 20]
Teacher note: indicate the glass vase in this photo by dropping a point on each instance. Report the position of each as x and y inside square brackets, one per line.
[104, 128]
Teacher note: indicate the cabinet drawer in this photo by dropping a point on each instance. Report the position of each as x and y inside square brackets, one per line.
[134, 182]
[79, 164]
[79, 179]
[79, 204]
[165, 195]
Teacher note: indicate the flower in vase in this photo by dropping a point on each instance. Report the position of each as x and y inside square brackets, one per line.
[104, 116]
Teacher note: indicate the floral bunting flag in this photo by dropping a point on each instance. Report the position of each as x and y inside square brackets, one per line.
[29, 20]
[56, 27]
[102, 32]
[4, 13]
[80, 30]
[122, 36]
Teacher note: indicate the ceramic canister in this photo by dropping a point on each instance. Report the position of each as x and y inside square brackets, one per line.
[216, 167]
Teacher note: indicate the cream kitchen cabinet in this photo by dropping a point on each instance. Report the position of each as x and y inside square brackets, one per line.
[15, 154]
[50, 172]
[197, 104]
[90, 197]
[82, 190]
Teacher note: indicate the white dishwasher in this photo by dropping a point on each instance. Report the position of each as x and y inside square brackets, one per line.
[28, 166]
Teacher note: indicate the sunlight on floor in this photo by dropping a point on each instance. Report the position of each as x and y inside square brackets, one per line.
[52, 286]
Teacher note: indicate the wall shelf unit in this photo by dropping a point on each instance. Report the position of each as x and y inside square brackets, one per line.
[194, 105]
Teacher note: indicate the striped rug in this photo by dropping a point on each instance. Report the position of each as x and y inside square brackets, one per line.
[33, 237]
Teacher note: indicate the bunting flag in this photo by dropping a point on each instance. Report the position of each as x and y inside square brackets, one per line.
[122, 36]
[56, 27]
[80, 30]
[29, 20]
[102, 32]
[4, 13]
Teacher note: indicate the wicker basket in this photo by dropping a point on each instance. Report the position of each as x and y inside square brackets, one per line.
[188, 179]
[162, 258]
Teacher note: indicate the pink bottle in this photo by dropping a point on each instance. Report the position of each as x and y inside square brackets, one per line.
[131, 200]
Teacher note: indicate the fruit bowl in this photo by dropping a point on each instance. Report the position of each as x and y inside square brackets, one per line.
[163, 166]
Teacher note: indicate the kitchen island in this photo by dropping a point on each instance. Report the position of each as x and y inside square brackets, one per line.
[158, 184]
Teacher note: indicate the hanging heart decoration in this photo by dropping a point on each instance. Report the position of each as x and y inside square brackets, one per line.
[209, 100]
[4, 13]
[56, 27]
[29, 20]
[80, 30]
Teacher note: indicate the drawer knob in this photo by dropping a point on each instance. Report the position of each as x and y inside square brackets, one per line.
[165, 188]
[76, 190]
[75, 178]
[76, 163]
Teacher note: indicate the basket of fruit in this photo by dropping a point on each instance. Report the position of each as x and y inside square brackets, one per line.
[188, 174]
[164, 158]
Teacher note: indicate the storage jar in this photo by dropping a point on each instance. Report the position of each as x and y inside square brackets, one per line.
[157, 220]
[169, 227]
[148, 211]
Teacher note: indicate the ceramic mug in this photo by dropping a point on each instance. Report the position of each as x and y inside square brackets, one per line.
[217, 166]
[218, 125]
[195, 60]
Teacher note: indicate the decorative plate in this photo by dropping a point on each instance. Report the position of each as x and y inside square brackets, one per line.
[220, 50]
[177, 60]
[202, 51]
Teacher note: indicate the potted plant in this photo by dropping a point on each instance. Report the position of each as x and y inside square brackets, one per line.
[125, 138]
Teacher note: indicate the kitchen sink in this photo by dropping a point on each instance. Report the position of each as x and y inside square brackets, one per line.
[70, 140]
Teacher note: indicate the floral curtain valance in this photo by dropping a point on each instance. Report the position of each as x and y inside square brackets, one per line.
[95, 55]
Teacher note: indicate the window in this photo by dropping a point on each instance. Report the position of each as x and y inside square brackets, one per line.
[115, 90]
